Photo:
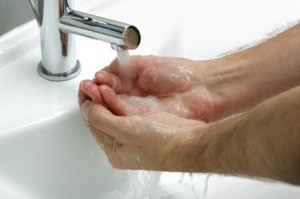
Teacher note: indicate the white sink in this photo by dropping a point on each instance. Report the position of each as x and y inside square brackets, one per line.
[46, 150]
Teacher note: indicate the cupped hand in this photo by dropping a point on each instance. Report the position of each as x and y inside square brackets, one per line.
[155, 98]
[152, 141]
[174, 85]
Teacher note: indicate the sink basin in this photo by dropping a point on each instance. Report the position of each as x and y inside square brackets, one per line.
[46, 150]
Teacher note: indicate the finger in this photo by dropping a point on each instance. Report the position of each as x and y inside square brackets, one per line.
[113, 67]
[110, 146]
[149, 73]
[91, 90]
[112, 100]
[121, 156]
[103, 120]
[138, 65]
[98, 135]
[82, 97]
[124, 105]
[111, 80]
[85, 110]
[106, 141]
[161, 76]
[138, 62]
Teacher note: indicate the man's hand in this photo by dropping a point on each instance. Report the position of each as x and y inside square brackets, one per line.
[152, 141]
[176, 84]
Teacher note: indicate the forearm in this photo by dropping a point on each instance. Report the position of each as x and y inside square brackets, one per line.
[242, 80]
[264, 142]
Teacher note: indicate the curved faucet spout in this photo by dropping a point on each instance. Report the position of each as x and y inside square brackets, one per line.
[107, 30]
[57, 20]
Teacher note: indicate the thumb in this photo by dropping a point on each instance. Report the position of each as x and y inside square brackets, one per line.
[102, 119]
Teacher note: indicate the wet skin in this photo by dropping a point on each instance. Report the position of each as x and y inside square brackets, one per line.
[176, 84]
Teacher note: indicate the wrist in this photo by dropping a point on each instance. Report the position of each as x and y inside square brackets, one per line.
[222, 79]
[233, 84]
[209, 148]
[242, 80]
[219, 144]
[184, 151]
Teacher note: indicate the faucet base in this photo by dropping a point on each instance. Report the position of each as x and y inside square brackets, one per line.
[60, 76]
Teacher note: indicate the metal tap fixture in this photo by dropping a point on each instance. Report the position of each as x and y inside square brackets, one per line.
[57, 20]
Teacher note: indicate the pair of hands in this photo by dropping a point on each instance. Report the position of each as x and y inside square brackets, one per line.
[157, 119]
[147, 121]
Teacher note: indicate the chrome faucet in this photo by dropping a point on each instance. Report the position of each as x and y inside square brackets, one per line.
[57, 21]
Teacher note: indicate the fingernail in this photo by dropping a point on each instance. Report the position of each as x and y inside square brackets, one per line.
[85, 109]
[85, 83]
[99, 74]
